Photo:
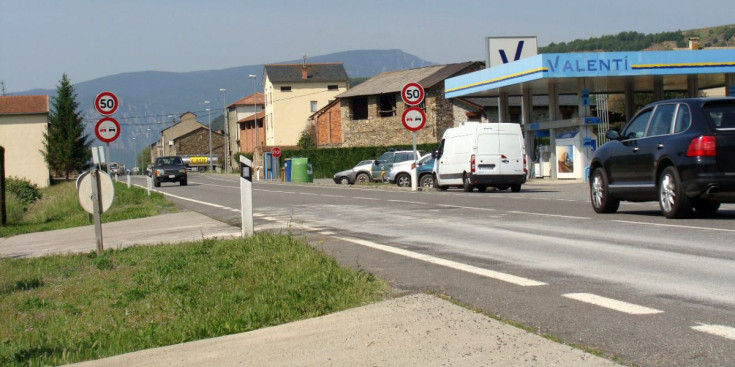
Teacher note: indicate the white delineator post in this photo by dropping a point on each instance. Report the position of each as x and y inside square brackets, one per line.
[246, 196]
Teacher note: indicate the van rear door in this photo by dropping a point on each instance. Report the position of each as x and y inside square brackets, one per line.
[487, 156]
[510, 141]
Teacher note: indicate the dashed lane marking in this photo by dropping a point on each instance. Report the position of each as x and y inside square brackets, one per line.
[675, 226]
[718, 330]
[524, 282]
[407, 202]
[612, 304]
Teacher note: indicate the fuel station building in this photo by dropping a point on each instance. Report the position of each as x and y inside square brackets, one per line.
[571, 142]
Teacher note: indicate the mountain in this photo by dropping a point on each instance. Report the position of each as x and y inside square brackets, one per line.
[147, 98]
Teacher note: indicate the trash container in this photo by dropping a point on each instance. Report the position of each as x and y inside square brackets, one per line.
[301, 170]
[287, 169]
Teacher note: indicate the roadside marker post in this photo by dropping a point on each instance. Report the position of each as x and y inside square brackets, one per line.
[246, 196]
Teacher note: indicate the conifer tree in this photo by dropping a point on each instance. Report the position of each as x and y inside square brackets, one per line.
[66, 145]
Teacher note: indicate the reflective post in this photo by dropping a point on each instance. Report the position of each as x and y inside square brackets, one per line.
[246, 196]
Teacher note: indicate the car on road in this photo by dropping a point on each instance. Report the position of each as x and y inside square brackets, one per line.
[400, 174]
[385, 162]
[360, 173]
[679, 152]
[169, 169]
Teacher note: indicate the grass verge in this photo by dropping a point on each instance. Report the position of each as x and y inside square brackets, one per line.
[65, 309]
[59, 208]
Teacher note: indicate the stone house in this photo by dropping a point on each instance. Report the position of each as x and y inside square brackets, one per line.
[23, 121]
[188, 137]
[295, 91]
[371, 112]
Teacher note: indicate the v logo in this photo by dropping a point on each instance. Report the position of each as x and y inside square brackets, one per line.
[519, 49]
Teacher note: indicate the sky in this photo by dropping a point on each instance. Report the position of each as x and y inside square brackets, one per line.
[88, 39]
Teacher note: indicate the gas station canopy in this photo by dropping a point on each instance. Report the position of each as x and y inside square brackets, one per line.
[601, 72]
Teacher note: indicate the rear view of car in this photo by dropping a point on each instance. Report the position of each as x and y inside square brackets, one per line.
[678, 152]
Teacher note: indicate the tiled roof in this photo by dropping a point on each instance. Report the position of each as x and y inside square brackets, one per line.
[258, 98]
[260, 115]
[393, 81]
[293, 73]
[19, 105]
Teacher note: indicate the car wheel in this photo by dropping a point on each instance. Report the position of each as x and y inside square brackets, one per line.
[503, 187]
[671, 197]
[466, 184]
[515, 188]
[403, 180]
[427, 181]
[362, 178]
[183, 183]
[600, 197]
[156, 183]
[705, 207]
[344, 181]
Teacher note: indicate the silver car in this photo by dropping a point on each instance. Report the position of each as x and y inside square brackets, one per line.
[360, 173]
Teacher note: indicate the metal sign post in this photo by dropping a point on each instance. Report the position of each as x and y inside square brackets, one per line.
[96, 203]
[246, 196]
[413, 119]
[96, 193]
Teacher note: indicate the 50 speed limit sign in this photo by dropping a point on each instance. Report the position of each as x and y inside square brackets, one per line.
[106, 103]
[412, 94]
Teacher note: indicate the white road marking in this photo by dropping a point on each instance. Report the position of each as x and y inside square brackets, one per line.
[548, 215]
[524, 282]
[332, 196]
[326, 233]
[466, 207]
[309, 194]
[363, 198]
[612, 304]
[407, 202]
[718, 330]
[676, 226]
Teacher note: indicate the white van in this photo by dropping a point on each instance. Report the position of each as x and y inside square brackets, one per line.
[479, 155]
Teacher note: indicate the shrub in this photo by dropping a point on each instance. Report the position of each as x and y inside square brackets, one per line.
[14, 209]
[23, 189]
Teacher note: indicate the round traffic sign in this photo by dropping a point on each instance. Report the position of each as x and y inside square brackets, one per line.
[107, 129]
[106, 103]
[413, 119]
[412, 94]
[84, 190]
[276, 152]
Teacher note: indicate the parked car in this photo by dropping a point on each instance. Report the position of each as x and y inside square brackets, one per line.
[360, 173]
[385, 162]
[479, 155]
[400, 174]
[680, 152]
[169, 169]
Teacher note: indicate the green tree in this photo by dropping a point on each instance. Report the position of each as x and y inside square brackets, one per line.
[66, 145]
[306, 138]
[143, 159]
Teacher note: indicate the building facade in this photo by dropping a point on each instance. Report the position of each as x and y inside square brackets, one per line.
[293, 92]
[23, 122]
[242, 121]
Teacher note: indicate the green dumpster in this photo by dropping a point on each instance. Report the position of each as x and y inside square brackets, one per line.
[301, 170]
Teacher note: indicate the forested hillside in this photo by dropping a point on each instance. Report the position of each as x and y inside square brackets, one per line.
[722, 36]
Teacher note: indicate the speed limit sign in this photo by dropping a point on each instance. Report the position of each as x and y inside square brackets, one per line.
[106, 103]
[412, 94]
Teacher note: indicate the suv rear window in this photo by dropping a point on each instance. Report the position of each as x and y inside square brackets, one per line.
[721, 115]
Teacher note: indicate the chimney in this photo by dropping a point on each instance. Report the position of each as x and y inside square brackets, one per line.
[694, 43]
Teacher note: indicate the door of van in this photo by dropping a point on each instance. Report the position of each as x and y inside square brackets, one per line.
[511, 150]
[487, 157]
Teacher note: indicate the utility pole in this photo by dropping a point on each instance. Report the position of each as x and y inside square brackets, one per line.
[227, 135]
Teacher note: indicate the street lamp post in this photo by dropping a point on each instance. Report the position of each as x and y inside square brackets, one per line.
[227, 135]
[255, 112]
[209, 159]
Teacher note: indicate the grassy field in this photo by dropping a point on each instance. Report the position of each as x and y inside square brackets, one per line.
[59, 208]
[64, 309]
[70, 308]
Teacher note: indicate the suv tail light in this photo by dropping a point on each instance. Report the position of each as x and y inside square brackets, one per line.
[525, 168]
[702, 146]
[472, 164]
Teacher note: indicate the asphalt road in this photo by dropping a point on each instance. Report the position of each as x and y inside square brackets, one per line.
[636, 286]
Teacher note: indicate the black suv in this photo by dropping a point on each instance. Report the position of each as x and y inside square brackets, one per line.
[169, 169]
[680, 152]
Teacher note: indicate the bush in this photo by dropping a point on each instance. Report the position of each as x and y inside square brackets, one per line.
[14, 209]
[23, 189]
